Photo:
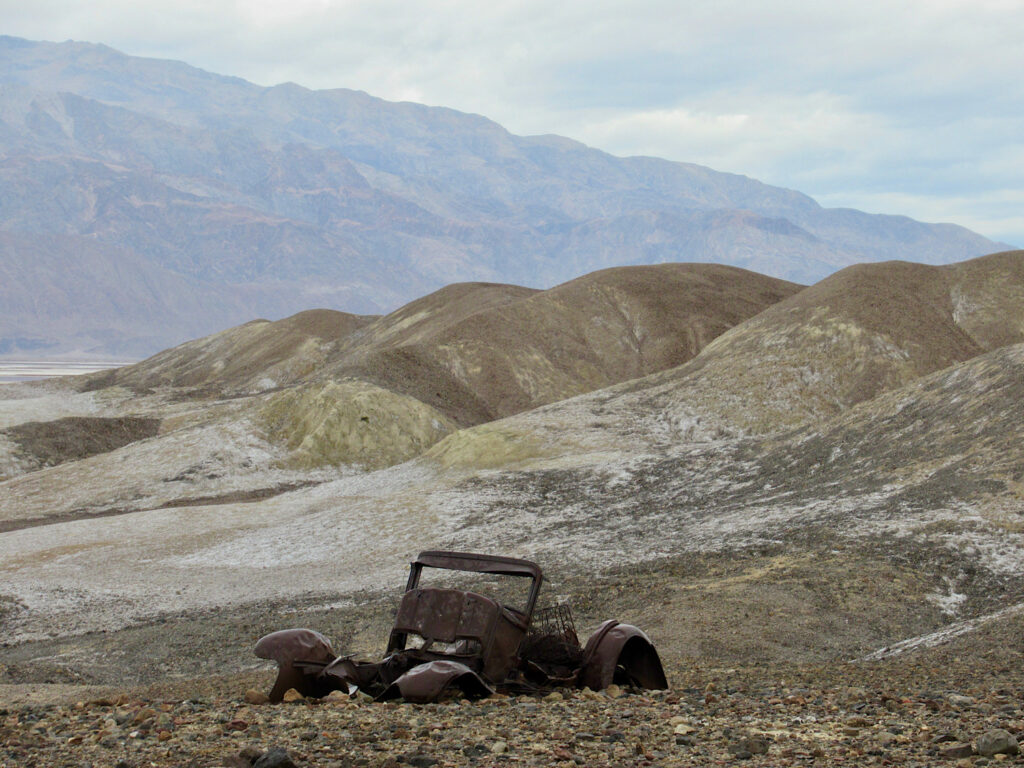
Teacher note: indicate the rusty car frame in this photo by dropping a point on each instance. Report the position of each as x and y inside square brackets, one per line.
[448, 641]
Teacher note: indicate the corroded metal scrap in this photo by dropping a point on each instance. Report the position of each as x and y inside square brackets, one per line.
[451, 639]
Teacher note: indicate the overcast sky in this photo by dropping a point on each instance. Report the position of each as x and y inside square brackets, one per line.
[893, 107]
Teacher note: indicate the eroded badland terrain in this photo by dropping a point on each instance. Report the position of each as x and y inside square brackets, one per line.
[811, 498]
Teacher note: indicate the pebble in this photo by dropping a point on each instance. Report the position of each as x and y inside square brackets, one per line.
[956, 751]
[252, 696]
[276, 757]
[997, 742]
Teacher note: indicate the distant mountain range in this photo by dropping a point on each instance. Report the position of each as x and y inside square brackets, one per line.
[146, 202]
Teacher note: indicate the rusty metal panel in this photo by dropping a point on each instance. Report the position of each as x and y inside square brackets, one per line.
[428, 682]
[624, 650]
[291, 648]
[465, 561]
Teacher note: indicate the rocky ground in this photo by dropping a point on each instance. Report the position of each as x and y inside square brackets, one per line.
[961, 704]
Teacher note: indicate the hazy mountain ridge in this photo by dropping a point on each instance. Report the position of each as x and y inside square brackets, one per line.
[281, 199]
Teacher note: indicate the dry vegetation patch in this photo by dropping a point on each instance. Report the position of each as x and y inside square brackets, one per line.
[77, 437]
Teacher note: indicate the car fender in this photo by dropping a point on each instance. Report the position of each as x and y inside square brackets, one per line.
[621, 653]
[291, 647]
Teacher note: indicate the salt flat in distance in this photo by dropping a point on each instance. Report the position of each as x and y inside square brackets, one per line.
[30, 370]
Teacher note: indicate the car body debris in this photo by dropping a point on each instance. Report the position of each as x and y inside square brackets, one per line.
[449, 641]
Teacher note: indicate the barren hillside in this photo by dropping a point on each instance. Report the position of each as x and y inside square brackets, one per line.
[839, 473]
[860, 333]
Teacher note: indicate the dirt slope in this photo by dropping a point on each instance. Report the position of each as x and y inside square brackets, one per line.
[863, 331]
[480, 351]
[600, 329]
[822, 543]
[256, 356]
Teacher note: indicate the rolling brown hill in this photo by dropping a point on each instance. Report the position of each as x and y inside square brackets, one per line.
[480, 351]
[864, 331]
[586, 334]
[248, 411]
[257, 356]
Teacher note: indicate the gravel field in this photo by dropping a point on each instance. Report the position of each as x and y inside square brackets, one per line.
[949, 705]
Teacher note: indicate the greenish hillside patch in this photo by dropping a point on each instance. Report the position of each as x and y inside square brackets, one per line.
[488, 446]
[350, 422]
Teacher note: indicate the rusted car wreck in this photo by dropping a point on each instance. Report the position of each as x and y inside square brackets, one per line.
[446, 640]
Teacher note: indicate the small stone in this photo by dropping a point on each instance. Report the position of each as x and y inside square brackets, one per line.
[756, 745]
[238, 761]
[613, 691]
[997, 742]
[337, 697]
[252, 696]
[885, 738]
[499, 747]
[163, 736]
[144, 714]
[275, 757]
[682, 729]
[554, 696]
[422, 761]
[291, 695]
[958, 700]
[957, 751]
